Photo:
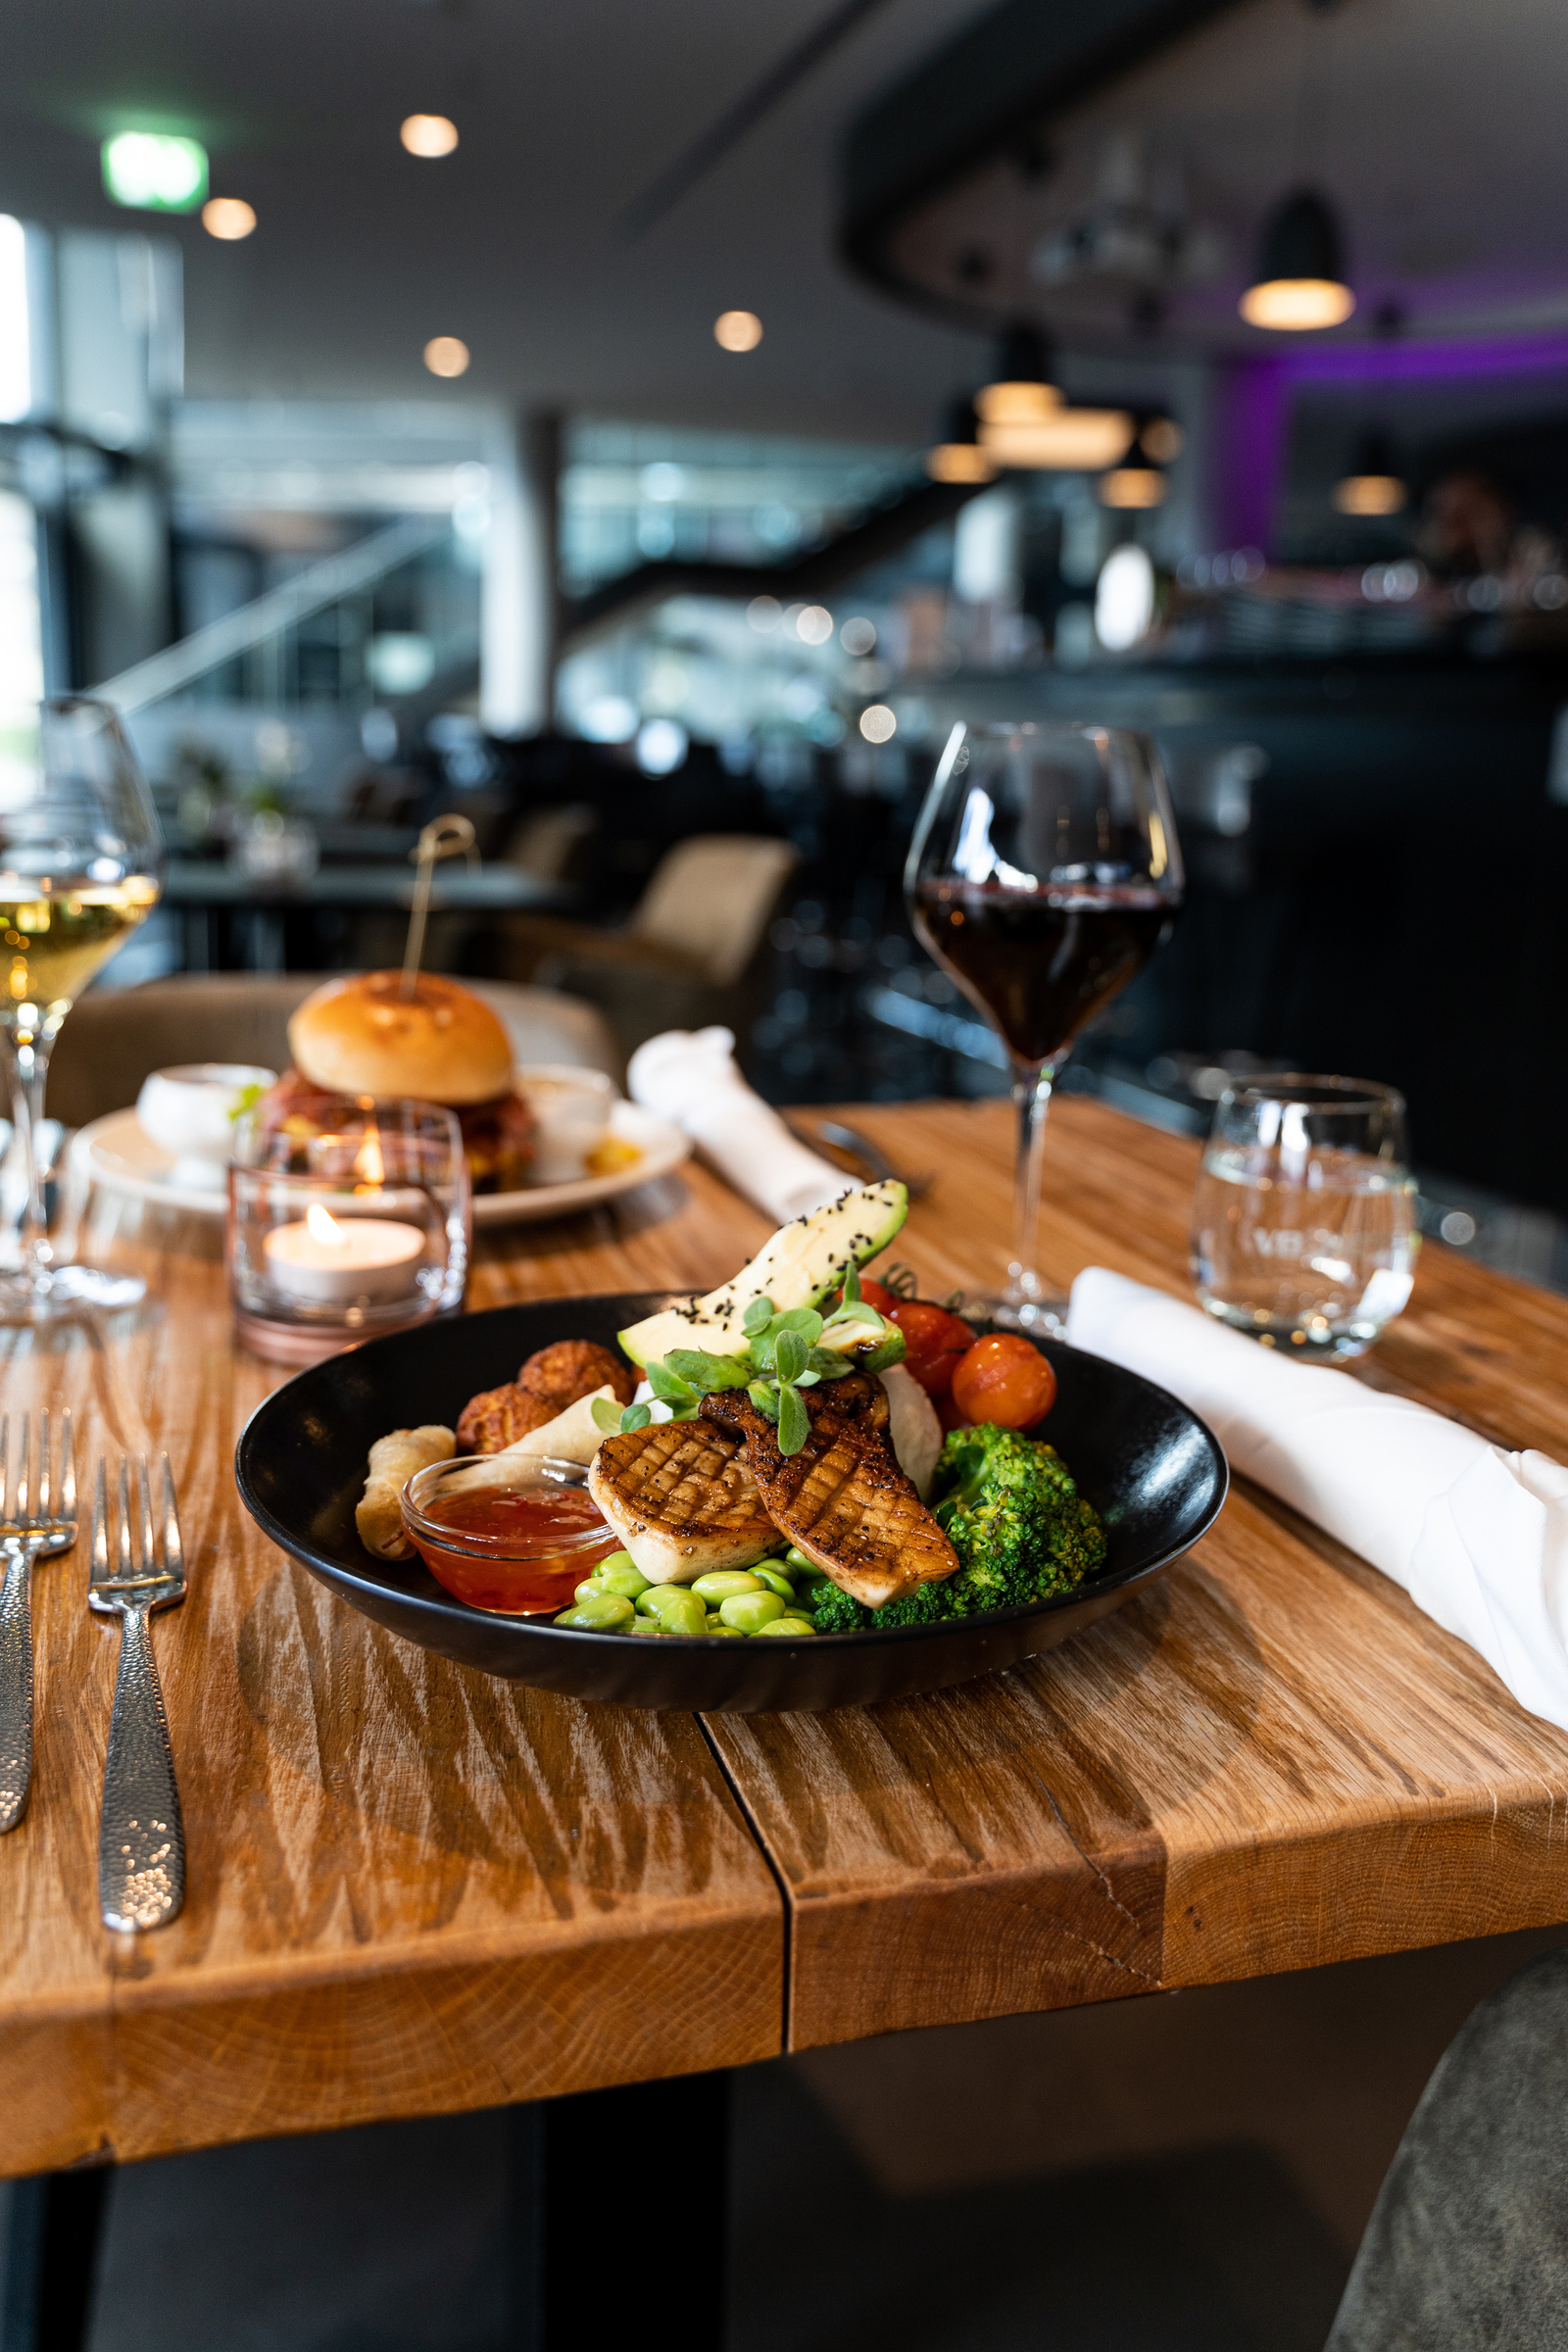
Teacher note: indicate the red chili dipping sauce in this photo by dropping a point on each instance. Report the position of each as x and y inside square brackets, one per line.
[520, 1553]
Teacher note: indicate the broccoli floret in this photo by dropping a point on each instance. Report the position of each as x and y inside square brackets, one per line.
[1014, 1518]
[838, 1612]
[1021, 1529]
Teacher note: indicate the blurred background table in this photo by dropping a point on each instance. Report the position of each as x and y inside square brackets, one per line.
[204, 890]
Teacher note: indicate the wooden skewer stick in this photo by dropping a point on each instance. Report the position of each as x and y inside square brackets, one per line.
[442, 837]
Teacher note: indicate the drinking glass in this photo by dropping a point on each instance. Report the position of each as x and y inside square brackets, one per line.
[79, 858]
[1044, 873]
[1305, 1218]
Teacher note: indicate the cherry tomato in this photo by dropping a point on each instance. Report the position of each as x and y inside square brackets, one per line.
[875, 1294]
[934, 1340]
[1005, 1378]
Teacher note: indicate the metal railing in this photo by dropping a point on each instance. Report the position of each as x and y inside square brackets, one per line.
[271, 618]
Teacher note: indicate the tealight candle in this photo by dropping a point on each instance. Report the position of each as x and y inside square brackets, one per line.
[333, 1261]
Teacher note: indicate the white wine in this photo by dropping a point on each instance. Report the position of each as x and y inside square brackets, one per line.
[51, 945]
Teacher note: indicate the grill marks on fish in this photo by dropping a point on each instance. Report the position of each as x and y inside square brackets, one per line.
[679, 1496]
[843, 1498]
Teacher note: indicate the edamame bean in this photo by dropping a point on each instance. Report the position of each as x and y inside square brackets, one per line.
[620, 1574]
[659, 1597]
[683, 1613]
[588, 1589]
[601, 1614]
[749, 1612]
[775, 1580]
[719, 1583]
[730, 1633]
[800, 1563]
[788, 1624]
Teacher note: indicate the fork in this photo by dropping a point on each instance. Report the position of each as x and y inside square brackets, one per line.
[142, 1838]
[33, 1524]
[875, 1164]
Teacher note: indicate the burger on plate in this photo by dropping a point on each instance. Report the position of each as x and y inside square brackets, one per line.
[363, 1036]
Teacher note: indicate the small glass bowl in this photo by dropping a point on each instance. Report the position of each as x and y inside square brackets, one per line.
[520, 1570]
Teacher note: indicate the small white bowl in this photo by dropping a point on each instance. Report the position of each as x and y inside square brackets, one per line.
[188, 1111]
[571, 1110]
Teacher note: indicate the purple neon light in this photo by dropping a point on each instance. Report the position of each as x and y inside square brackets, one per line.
[1412, 363]
[1256, 404]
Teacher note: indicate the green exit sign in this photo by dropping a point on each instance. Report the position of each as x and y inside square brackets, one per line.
[155, 171]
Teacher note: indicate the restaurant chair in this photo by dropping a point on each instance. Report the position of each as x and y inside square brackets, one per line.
[692, 951]
[1468, 2240]
[554, 845]
[116, 1037]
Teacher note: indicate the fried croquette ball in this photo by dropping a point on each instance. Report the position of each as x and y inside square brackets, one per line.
[499, 1417]
[574, 1368]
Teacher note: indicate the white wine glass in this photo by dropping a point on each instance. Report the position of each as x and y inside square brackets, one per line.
[1044, 873]
[80, 870]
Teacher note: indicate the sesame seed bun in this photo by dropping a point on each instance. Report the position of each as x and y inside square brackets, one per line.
[361, 1036]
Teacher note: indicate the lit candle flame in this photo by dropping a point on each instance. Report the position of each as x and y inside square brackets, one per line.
[323, 1227]
[368, 1164]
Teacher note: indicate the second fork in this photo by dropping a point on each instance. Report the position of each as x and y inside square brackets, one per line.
[141, 1838]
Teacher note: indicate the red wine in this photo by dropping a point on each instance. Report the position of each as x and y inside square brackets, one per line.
[1041, 963]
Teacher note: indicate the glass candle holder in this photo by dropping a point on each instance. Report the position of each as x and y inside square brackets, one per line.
[345, 1221]
[514, 1534]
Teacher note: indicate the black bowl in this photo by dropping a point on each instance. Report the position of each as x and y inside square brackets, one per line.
[1149, 1467]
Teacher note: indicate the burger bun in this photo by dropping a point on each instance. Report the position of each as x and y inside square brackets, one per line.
[361, 1036]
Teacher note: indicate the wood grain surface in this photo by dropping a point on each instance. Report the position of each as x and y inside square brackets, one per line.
[413, 1889]
[1271, 1760]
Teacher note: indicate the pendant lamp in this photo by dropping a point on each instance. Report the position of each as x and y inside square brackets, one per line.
[958, 457]
[1300, 280]
[1373, 484]
[1137, 482]
[1020, 392]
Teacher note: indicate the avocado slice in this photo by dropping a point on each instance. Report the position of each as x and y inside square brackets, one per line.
[802, 1263]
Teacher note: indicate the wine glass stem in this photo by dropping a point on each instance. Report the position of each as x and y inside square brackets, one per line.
[28, 1073]
[1031, 1093]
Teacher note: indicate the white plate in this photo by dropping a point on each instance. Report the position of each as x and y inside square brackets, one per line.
[115, 1153]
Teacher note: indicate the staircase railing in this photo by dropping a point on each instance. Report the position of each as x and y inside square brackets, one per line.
[246, 630]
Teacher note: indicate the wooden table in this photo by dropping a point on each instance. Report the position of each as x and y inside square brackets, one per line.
[415, 1889]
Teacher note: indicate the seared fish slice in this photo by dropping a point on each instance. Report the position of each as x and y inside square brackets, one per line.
[843, 1498]
[679, 1497]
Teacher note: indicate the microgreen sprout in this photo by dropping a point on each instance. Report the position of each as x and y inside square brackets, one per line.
[612, 1418]
[786, 1354]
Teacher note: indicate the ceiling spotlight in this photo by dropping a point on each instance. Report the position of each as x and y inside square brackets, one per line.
[1132, 486]
[154, 172]
[428, 134]
[228, 217]
[737, 331]
[1068, 441]
[1373, 485]
[958, 457]
[445, 355]
[1300, 280]
[878, 723]
[1020, 391]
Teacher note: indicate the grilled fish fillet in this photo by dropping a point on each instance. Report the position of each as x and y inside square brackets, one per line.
[679, 1497]
[843, 1498]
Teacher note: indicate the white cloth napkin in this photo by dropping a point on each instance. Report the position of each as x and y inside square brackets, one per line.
[689, 1076]
[1477, 1538]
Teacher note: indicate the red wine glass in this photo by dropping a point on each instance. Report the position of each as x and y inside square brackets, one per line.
[1044, 873]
